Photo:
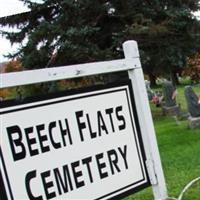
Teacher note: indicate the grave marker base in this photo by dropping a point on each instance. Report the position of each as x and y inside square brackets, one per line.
[194, 122]
[171, 111]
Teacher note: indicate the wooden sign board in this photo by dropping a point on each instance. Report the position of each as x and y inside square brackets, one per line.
[79, 145]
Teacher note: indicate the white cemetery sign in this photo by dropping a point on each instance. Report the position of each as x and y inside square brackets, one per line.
[95, 143]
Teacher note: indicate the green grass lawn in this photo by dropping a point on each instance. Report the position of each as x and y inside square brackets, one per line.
[180, 153]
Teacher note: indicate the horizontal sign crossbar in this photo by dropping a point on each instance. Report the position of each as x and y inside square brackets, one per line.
[65, 72]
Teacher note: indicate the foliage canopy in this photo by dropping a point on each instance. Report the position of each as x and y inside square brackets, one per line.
[60, 32]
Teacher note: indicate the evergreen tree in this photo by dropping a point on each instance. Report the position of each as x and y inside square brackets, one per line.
[63, 32]
[58, 32]
[167, 33]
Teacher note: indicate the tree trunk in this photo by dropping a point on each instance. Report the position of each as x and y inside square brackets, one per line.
[174, 78]
[152, 79]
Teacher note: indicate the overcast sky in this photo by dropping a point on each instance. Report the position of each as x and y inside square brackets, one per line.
[9, 7]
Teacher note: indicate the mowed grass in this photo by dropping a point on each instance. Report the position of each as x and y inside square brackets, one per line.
[179, 149]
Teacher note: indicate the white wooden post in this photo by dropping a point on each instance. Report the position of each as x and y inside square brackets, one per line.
[132, 64]
[154, 166]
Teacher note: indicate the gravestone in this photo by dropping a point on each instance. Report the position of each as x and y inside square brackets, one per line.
[193, 105]
[169, 92]
[150, 92]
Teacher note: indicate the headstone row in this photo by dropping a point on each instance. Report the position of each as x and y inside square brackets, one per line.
[170, 107]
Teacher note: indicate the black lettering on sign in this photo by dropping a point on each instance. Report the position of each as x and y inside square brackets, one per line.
[101, 165]
[113, 160]
[120, 118]
[55, 144]
[72, 176]
[87, 161]
[81, 125]
[39, 136]
[101, 123]
[109, 111]
[29, 176]
[42, 138]
[47, 184]
[15, 139]
[77, 174]
[63, 181]
[113, 157]
[65, 132]
[124, 155]
[92, 133]
[30, 141]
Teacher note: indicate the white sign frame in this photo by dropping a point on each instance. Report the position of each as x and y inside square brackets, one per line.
[132, 64]
[130, 179]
